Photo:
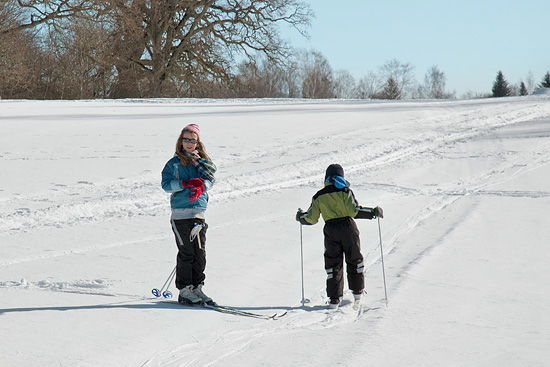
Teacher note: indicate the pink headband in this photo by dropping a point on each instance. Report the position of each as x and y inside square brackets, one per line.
[194, 128]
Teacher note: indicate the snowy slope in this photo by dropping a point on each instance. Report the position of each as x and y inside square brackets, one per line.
[84, 232]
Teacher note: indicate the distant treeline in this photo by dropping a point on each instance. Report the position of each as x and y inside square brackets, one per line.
[80, 49]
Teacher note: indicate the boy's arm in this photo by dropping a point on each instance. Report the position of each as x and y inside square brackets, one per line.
[369, 213]
[311, 216]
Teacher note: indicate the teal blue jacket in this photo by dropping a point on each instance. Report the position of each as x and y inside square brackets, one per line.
[182, 208]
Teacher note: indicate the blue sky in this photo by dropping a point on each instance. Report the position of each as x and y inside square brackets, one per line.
[470, 41]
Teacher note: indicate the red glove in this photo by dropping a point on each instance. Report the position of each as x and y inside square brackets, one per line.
[196, 182]
[192, 182]
[197, 187]
[196, 192]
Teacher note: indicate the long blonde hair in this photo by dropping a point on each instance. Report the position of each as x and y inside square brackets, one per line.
[180, 152]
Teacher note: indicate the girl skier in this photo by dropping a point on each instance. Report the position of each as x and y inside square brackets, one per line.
[187, 177]
[337, 204]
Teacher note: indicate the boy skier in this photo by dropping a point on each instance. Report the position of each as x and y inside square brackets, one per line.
[338, 206]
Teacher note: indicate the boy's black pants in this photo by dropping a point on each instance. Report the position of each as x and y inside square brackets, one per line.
[191, 258]
[342, 238]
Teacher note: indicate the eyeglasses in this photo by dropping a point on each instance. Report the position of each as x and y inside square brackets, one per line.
[187, 140]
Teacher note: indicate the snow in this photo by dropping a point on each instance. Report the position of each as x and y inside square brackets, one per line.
[85, 233]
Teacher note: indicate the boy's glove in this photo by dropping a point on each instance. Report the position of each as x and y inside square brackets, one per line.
[300, 217]
[378, 212]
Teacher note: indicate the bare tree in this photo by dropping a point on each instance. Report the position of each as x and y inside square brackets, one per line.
[194, 37]
[35, 13]
[249, 80]
[434, 84]
[344, 84]
[10, 15]
[261, 78]
[81, 56]
[290, 78]
[418, 91]
[318, 77]
[368, 86]
[158, 42]
[530, 80]
[514, 90]
[20, 57]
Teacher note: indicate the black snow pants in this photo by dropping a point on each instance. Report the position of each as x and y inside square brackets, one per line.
[191, 258]
[342, 238]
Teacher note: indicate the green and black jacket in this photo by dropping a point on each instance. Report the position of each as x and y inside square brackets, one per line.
[333, 203]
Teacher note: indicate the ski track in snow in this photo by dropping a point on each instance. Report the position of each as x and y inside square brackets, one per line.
[298, 319]
[536, 158]
[237, 341]
[412, 253]
[83, 286]
[141, 196]
[127, 198]
[82, 250]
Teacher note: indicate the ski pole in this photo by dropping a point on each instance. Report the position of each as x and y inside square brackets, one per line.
[302, 262]
[304, 300]
[382, 257]
[164, 292]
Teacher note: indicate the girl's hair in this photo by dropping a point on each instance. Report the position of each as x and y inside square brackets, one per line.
[184, 158]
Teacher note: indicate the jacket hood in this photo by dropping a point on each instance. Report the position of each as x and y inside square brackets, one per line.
[338, 181]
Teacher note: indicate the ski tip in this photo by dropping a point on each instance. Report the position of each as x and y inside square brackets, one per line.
[278, 316]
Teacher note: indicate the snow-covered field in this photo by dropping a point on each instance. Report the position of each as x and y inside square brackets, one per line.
[85, 233]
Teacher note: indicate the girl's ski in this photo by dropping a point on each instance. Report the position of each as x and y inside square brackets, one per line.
[232, 311]
[235, 311]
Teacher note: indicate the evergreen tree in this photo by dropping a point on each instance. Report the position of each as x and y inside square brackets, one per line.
[523, 89]
[500, 86]
[546, 81]
[391, 90]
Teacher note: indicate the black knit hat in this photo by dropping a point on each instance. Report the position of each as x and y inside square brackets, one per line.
[334, 170]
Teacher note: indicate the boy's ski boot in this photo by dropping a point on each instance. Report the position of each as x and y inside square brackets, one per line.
[199, 293]
[356, 301]
[188, 297]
